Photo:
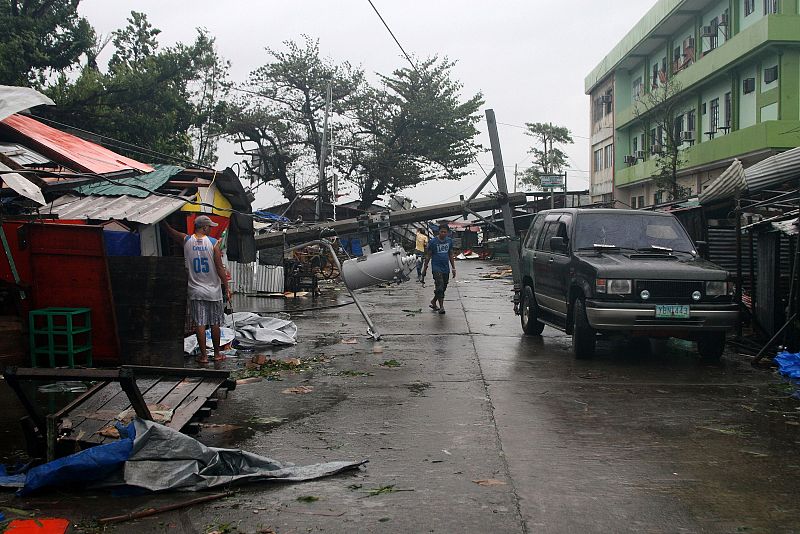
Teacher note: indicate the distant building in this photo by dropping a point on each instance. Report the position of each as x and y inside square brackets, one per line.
[737, 64]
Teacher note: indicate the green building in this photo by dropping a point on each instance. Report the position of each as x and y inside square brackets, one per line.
[735, 65]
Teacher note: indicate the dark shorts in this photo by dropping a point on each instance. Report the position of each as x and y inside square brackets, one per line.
[440, 283]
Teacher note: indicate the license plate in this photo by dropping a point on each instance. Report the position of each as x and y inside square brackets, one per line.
[670, 311]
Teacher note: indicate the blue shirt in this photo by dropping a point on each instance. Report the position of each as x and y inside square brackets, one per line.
[440, 254]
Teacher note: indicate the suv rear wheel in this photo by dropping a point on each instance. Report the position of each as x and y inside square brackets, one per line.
[711, 346]
[583, 335]
[527, 317]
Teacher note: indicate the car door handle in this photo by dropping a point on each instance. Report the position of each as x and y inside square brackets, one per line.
[552, 260]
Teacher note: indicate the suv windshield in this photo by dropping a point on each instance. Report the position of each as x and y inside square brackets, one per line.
[631, 231]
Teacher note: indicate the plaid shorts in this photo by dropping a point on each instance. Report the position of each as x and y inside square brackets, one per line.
[206, 312]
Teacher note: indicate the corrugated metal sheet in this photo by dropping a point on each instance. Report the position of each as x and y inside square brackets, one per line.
[241, 276]
[251, 278]
[765, 174]
[66, 148]
[774, 170]
[135, 186]
[14, 99]
[22, 185]
[22, 155]
[726, 185]
[148, 210]
[269, 279]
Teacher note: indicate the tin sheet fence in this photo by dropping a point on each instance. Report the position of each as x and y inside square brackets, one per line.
[252, 278]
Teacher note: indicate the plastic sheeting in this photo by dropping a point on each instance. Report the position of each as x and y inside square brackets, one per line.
[226, 335]
[165, 459]
[254, 331]
[789, 364]
[158, 458]
[14, 99]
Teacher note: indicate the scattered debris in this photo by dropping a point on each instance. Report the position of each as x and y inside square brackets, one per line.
[308, 498]
[489, 482]
[298, 390]
[153, 511]
[391, 363]
[412, 313]
[249, 380]
[351, 372]
[267, 420]
[383, 490]
[63, 387]
[377, 349]
[350, 341]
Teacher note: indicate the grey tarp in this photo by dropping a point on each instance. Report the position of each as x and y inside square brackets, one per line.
[165, 459]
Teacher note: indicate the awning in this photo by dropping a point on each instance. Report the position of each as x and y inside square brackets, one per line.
[148, 210]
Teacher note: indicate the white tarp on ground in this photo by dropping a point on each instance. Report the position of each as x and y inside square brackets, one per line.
[251, 331]
[165, 459]
[254, 331]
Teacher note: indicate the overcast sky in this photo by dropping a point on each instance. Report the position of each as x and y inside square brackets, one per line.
[528, 57]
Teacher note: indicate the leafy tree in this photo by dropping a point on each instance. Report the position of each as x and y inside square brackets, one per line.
[160, 99]
[659, 107]
[40, 37]
[284, 111]
[548, 158]
[414, 129]
[135, 44]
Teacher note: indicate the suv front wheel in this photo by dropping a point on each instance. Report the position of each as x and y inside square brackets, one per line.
[583, 335]
[711, 346]
[527, 315]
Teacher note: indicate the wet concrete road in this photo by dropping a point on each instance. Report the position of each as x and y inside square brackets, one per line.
[636, 440]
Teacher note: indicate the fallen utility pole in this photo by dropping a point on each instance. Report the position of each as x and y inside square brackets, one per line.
[396, 218]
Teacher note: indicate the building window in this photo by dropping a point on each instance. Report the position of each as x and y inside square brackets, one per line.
[691, 121]
[598, 160]
[728, 110]
[770, 74]
[749, 7]
[635, 146]
[653, 139]
[748, 85]
[641, 201]
[714, 39]
[770, 6]
[609, 156]
[633, 202]
[678, 131]
[637, 88]
[714, 115]
[658, 197]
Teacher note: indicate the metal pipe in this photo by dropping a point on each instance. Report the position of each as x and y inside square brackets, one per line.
[738, 264]
[371, 330]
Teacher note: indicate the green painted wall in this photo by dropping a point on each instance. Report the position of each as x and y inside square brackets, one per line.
[790, 85]
[780, 135]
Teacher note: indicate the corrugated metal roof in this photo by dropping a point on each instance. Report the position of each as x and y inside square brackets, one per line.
[21, 185]
[726, 185]
[135, 186]
[774, 170]
[148, 210]
[765, 174]
[22, 155]
[66, 148]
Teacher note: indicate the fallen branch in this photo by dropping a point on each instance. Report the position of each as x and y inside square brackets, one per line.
[168, 508]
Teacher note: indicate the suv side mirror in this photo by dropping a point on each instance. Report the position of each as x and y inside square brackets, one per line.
[558, 244]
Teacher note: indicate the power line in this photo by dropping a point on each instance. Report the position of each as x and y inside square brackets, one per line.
[525, 128]
[395, 38]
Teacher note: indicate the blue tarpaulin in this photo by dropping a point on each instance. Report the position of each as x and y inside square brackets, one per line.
[261, 214]
[122, 243]
[91, 465]
[789, 364]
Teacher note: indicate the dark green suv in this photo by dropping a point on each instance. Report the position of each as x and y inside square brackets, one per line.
[590, 271]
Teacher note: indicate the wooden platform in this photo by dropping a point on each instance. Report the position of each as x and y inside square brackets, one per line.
[187, 395]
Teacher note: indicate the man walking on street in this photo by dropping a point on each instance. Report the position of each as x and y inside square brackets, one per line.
[421, 248]
[440, 256]
[207, 280]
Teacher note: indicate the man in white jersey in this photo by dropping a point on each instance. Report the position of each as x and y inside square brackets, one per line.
[207, 280]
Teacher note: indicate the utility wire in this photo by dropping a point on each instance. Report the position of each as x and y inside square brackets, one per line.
[395, 38]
